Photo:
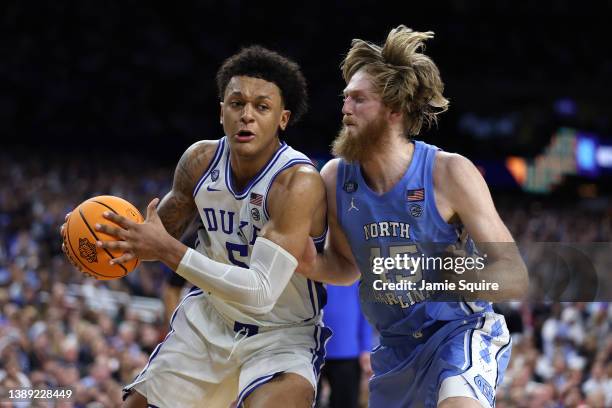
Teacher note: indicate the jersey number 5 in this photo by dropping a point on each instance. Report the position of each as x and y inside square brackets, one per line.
[243, 251]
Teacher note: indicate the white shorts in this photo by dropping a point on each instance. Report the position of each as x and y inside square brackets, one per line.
[479, 382]
[203, 361]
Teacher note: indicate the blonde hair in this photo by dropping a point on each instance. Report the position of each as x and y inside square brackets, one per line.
[407, 79]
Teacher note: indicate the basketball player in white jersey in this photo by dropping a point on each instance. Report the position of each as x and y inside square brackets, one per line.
[250, 328]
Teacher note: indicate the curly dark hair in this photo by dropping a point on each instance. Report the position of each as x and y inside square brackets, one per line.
[259, 62]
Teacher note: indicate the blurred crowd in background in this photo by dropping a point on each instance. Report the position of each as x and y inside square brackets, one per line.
[56, 329]
[103, 97]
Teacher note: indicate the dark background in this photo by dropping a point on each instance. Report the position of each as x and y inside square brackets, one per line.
[85, 76]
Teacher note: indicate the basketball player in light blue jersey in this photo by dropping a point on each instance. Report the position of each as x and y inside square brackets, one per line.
[389, 195]
[250, 330]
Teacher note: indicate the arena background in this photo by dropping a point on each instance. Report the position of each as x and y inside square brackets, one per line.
[103, 97]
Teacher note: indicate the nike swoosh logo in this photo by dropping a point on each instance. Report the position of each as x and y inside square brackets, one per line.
[209, 188]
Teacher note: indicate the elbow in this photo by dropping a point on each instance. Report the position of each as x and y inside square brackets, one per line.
[523, 281]
[256, 307]
[349, 279]
[350, 276]
[263, 309]
[519, 288]
[264, 299]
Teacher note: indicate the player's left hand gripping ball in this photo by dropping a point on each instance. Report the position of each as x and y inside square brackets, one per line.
[80, 237]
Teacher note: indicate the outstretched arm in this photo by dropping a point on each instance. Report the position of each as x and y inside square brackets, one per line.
[336, 265]
[461, 189]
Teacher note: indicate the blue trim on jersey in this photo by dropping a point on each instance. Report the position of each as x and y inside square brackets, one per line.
[252, 387]
[315, 310]
[500, 353]
[290, 163]
[465, 304]
[228, 179]
[320, 300]
[430, 202]
[321, 238]
[212, 165]
[322, 335]
[466, 349]
[479, 325]
[321, 294]
[158, 347]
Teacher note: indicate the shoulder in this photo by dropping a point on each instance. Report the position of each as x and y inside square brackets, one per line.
[459, 184]
[192, 164]
[329, 172]
[453, 169]
[302, 178]
[197, 158]
[202, 150]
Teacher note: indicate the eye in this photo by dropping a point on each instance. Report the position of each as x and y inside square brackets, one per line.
[236, 104]
[263, 107]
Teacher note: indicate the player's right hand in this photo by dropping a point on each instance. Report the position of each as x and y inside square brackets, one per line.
[63, 232]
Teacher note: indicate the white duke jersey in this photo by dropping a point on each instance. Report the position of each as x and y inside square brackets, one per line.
[232, 220]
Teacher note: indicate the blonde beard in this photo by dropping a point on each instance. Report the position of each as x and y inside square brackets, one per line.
[361, 145]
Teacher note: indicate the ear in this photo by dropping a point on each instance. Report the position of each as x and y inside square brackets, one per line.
[395, 116]
[284, 121]
[221, 113]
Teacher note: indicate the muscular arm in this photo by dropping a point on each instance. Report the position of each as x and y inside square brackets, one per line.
[177, 208]
[296, 198]
[336, 265]
[462, 192]
[295, 203]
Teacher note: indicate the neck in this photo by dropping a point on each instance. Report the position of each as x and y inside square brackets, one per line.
[388, 164]
[245, 167]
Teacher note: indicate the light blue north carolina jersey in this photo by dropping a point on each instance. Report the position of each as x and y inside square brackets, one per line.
[422, 342]
[402, 220]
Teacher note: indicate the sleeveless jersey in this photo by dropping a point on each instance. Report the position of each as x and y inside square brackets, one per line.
[402, 220]
[231, 221]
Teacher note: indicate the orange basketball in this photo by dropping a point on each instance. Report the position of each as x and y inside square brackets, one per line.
[80, 237]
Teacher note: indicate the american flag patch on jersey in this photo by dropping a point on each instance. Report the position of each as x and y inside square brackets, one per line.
[415, 195]
[256, 199]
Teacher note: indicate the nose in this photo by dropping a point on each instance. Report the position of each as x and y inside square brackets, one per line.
[347, 106]
[247, 114]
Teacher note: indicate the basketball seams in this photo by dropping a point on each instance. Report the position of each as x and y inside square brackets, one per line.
[80, 227]
[116, 212]
[76, 256]
[105, 205]
[97, 239]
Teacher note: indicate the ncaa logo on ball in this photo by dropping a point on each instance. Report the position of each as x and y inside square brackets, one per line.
[255, 214]
[416, 210]
[87, 250]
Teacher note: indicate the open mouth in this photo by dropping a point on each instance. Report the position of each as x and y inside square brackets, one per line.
[245, 136]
